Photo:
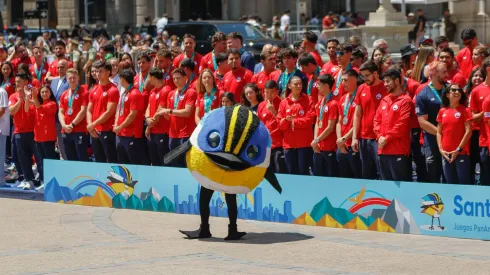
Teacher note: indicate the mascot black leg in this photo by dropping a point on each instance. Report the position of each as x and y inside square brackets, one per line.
[233, 233]
[203, 232]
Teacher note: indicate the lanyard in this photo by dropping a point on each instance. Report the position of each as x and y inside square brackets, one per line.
[40, 71]
[219, 76]
[122, 100]
[142, 83]
[436, 94]
[339, 77]
[191, 78]
[310, 84]
[405, 81]
[178, 95]
[4, 83]
[214, 61]
[70, 98]
[286, 77]
[168, 71]
[242, 50]
[324, 102]
[208, 100]
[347, 105]
[192, 56]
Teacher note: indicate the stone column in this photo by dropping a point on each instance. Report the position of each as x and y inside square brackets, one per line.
[141, 11]
[224, 9]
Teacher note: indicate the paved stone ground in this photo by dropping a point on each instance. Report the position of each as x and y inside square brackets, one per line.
[47, 238]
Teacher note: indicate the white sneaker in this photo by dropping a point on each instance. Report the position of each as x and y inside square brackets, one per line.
[28, 185]
[40, 188]
[19, 184]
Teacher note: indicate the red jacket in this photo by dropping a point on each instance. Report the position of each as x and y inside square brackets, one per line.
[330, 112]
[45, 129]
[261, 78]
[271, 122]
[297, 133]
[182, 56]
[235, 81]
[369, 98]
[392, 121]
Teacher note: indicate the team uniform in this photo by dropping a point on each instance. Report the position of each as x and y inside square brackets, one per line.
[195, 57]
[234, 81]
[286, 76]
[262, 77]
[45, 133]
[478, 96]
[350, 163]
[272, 123]
[325, 162]
[158, 143]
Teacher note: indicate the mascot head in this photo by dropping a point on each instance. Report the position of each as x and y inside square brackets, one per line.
[229, 151]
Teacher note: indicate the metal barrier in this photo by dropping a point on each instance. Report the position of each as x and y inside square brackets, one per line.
[342, 35]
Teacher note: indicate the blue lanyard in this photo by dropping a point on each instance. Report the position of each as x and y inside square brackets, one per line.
[122, 100]
[405, 81]
[4, 83]
[192, 56]
[142, 83]
[285, 77]
[177, 98]
[310, 84]
[40, 71]
[70, 98]
[242, 50]
[436, 94]
[214, 61]
[339, 77]
[322, 106]
[208, 100]
[347, 105]
[191, 78]
[166, 73]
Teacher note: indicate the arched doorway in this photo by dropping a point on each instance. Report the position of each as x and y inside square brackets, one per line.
[204, 9]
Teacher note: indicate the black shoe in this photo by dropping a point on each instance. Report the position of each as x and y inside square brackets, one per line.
[202, 233]
[233, 233]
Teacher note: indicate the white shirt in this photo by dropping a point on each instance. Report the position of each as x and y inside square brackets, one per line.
[5, 118]
[117, 81]
[161, 23]
[285, 21]
[62, 79]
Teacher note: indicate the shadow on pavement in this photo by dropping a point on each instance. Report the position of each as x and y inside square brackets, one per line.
[264, 238]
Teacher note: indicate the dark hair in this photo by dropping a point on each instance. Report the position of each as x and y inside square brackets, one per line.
[393, 74]
[468, 34]
[333, 40]
[288, 91]
[345, 47]
[265, 54]
[126, 54]
[16, 47]
[311, 37]
[127, 75]
[179, 71]
[441, 39]
[187, 63]
[12, 73]
[357, 53]
[486, 65]
[289, 53]
[306, 59]
[258, 94]
[219, 36]
[92, 81]
[383, 51]
[327, 79]
[188, 35]
[156, 73]
[221, 57]
[165, 53]
[145, 56]
[109, 48]
[230, 96]
[234, 51]
[51, 96]
[449, 51]
[370, 66]
[446, 91]
[297, 44]
[60, 43]
[236, 35]
[271, 84]
[102, 64]
[351, 72]
[24, 76]
[469, 86]
[23, 68]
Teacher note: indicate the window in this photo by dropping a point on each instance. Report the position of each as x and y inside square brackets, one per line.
[247, 31]
[96, 11]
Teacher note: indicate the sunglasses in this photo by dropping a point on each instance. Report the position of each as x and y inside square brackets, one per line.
[340, 53]
[466, 43]
[455, 90]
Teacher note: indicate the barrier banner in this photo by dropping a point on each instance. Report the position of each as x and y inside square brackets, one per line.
[461, 211]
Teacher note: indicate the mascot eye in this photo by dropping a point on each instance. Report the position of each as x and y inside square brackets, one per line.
[252, 152]
[214, 139]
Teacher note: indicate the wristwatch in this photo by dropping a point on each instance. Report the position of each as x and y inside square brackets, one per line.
[459, 149]
[73, 125]
[171, 111]
[317, 140]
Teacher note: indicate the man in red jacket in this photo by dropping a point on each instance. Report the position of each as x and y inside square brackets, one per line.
[39, 67]
[312, 70]
[189, 52]
[369, 97]
[324, 143]
[269, 72]
[60, 52]
[223, 68]
[331, 66]
[235, 80]
[267, 113]
[392, 128]
[164, 63]
[349, 161]
[454, 74]
[140, 81]
[218, 42]
[309, 42]
[464, 58]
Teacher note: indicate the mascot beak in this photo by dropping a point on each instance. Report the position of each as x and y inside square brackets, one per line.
[227, 162]
[270, 176]
[177, 152]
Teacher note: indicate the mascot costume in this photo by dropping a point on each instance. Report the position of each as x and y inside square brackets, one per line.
[229, 152]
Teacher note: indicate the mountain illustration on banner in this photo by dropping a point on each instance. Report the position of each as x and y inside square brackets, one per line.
[395, 218]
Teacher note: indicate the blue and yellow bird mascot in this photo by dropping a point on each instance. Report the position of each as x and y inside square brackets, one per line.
[229, 152]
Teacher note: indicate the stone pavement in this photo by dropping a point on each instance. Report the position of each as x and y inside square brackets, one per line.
[48, 238]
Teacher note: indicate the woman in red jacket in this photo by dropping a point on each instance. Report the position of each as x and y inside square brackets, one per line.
[45, 127]
[453, 135]
[296, 117]
[208, 94]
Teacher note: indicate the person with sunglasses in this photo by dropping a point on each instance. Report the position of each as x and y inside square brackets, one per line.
[344, 54]
[453, 135]
[464, 58]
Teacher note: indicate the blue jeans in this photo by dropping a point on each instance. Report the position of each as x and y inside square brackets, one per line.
[158, 148]
[349, 164]
[394, 167]
[417, 156]
[368, 150]
[26, 147]
[325, 164]
[298, 160]
[174, 143]
[129, 150]
[458, 172]
[76, 145]
[3, 152]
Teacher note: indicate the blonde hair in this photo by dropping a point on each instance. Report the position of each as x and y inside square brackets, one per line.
[200, 87]
[422, 57]
[72, 71]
